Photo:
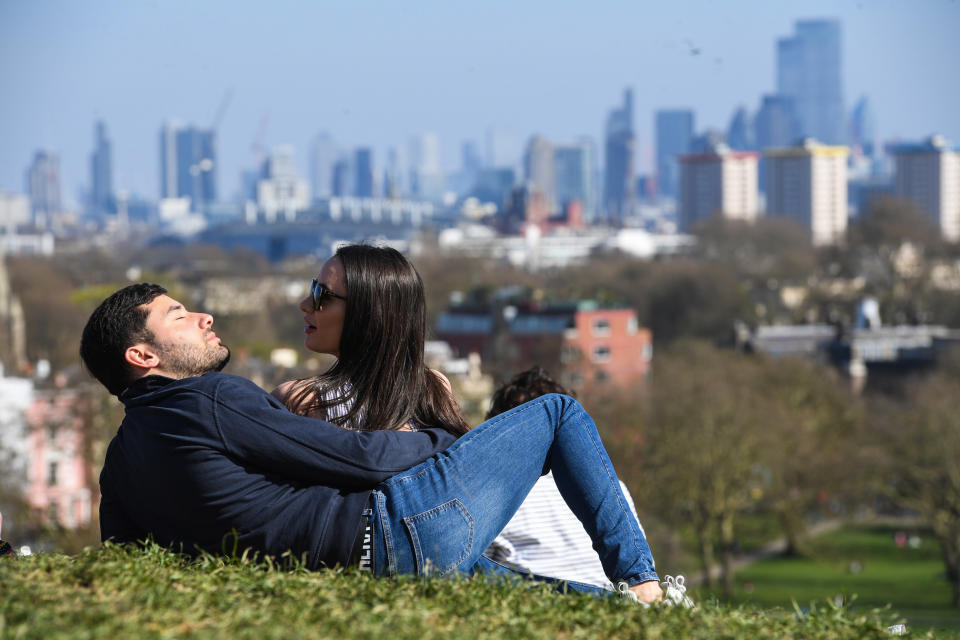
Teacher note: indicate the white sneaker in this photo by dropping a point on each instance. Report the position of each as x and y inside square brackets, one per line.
[675, 592]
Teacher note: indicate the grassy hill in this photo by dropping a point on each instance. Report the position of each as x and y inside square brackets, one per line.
[118, 592]
[863, 561]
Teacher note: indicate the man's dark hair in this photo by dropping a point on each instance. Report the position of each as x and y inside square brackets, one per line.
[524, 387]
[118, 323]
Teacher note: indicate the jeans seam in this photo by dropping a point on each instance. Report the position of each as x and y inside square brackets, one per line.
[387, 534]
[598, 447]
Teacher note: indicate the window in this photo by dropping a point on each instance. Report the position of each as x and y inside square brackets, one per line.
[601, 327]
[53, 512]
[601, 376]
[601, 354]
[569, 353]
[631, 325]
[52, 469]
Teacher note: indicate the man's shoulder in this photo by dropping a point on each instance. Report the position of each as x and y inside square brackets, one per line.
[221, 382]
[209, 386]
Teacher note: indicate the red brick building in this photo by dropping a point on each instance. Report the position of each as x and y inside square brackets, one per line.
[583, 344]
[606, 346]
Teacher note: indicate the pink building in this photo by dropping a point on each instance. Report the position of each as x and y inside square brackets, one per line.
[60, 482]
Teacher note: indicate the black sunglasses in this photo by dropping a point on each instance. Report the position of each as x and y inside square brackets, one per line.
[320, 292]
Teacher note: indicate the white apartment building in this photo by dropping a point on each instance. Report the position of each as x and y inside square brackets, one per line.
[929, 175]
[721, 181]
[282, 192]
[808, 183]
[14, 211]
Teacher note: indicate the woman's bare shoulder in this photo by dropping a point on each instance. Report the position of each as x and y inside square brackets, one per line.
[283, 390]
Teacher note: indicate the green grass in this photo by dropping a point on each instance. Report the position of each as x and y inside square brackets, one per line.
[124, 592]
[911, 580]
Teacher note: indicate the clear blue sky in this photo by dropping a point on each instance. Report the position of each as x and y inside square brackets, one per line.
[375, 73]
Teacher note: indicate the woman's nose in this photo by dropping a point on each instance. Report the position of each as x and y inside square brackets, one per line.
[306, 305]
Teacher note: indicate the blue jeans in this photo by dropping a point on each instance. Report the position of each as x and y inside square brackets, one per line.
[440, 516]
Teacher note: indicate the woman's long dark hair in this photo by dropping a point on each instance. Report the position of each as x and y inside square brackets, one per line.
[380, 373]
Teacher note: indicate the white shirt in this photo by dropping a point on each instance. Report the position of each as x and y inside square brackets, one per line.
[545, 538]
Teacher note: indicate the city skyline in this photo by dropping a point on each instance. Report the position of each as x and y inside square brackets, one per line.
[379, 78]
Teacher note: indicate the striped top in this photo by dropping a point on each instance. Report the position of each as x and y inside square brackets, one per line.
[545, 538]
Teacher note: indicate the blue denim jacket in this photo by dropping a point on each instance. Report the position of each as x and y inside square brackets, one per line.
[200, 458]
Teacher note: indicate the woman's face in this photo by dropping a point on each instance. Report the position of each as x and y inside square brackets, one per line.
[325, 325]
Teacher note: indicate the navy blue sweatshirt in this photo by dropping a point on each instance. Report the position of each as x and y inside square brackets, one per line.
[198, 458]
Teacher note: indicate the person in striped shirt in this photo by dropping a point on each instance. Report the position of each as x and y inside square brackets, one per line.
[544, 537]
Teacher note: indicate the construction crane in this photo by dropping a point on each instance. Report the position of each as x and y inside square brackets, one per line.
[222, 109]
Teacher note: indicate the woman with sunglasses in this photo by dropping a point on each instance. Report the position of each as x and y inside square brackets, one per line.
[376, 328]
[367, 308]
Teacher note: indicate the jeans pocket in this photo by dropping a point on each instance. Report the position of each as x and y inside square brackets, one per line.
[441, 537]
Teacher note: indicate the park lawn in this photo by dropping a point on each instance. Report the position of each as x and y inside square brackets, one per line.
[127, 592]
[860, 561]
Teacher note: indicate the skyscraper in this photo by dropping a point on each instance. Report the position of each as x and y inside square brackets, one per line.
[363, 172]
[775, 125]
[426, 181]
[809, 71]
[43, 186]
[188, 164]
[470, 157]
[618, 153]
[863, 128]
[929, 175]
[674, 131]
[393, 175]
[574, 167]
[168, 159]
[501, 149]
[740, 133]
[776, 122]
[101, 172]
[196, 166]
[808, 183]
[323, 155]
[343, 176]
[539, 170]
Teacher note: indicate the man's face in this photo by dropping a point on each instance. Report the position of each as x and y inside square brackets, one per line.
[184, 341]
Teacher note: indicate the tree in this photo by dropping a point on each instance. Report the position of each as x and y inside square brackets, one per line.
[889, 222]
[53, 321]
[921, 442]
[810, 452]
[770, 247]
[704, 437]
[689, 299]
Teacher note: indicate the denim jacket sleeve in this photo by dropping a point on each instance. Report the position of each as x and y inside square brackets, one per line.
[257, 430]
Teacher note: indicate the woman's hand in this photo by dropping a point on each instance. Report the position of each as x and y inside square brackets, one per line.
[648, 592]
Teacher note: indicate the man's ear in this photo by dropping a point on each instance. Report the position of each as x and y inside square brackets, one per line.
[142, 356]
